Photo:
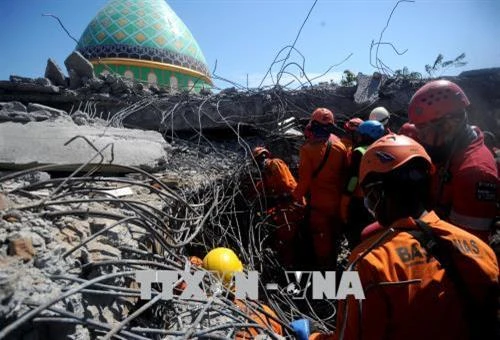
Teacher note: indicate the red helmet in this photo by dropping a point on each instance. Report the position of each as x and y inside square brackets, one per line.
[260, 150]
[352, 124]
[410, 130]
[436, 99]
[323, 116]
[390, 152]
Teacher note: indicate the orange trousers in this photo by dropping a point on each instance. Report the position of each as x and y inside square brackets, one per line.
[325, 230]
[287, 218]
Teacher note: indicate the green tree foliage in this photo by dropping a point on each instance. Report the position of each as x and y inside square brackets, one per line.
[348, 79]
[439, 65]
[406, 74]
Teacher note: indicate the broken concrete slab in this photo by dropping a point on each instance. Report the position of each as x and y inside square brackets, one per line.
[13, 106]
[27, 87]
[40, 143]
[77, 62]
[54, 112]
[74, 80]
[368, 86]
[15, 116]
[54, 73]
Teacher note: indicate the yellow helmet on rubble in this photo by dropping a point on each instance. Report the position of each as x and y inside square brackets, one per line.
[224, 261]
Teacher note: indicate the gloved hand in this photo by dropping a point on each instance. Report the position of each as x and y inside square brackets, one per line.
[301, 328]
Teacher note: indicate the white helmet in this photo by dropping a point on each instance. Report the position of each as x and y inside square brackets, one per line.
[381, 114]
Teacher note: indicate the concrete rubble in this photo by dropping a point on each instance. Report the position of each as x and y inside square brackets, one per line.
[71, 238]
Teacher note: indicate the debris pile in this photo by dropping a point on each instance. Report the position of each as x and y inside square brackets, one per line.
[92, 203]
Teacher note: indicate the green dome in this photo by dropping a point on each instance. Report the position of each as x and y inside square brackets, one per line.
[147, 39]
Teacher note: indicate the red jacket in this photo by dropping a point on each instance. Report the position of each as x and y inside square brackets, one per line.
[407, 294]
[471, 191]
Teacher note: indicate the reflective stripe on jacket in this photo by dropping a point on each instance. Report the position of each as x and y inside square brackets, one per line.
[408, 295]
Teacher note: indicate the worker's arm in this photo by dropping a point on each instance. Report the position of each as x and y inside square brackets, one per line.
[305, 175]
[475, 193]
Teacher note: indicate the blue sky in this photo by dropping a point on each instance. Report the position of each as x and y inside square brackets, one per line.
[244, 36]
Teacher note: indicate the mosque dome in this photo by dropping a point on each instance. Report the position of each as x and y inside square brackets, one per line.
[145, 40]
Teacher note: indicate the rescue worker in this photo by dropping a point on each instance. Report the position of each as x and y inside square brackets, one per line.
[276, 186]
[353, 211]
[491, 144]
[322, 171]
[409, 130]
[465, 188]
[225, 262]
[381, 114]
[423, 278]
[350, 128]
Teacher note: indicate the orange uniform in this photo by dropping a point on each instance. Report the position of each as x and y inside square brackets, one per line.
[323, 191]
[260, 319]
[408, 295]
[277, 180]
[277, 185]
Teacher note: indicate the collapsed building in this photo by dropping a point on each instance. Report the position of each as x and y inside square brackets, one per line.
[108, 171]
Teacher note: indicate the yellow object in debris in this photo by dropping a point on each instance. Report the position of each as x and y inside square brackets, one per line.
[224, 261]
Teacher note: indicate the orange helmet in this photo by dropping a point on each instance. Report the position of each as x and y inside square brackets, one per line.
[409, 130]
[322, 116]
[352, 124]
[436, 99]
[389, 153]
[260, 150]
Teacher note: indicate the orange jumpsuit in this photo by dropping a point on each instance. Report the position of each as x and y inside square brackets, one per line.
[407, 295]
[277, 185]
[260, 319]
[323, 193]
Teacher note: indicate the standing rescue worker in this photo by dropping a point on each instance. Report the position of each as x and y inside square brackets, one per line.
[276, 186]
[381, 114]
[465, 188]
[423, 278]
[225, 263]
[353, 212]
[322, 171]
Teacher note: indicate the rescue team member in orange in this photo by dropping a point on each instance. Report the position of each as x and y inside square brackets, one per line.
[423, 278]
[322, 171]
[277, 186]
[350, 128]
[465, 188]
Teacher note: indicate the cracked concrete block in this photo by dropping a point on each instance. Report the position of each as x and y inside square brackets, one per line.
[54, 112]
[81, 66]
[44, 143]
[54, 73]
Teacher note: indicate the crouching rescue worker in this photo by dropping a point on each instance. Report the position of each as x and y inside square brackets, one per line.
[322, 171]
[423, 277]
[353, 211]
[225, 262]
[465, 185]
[276, 186]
